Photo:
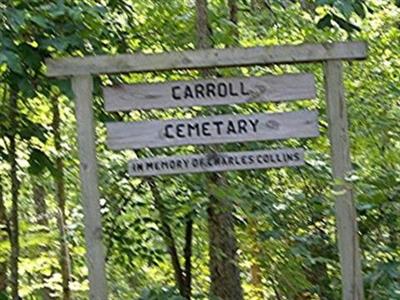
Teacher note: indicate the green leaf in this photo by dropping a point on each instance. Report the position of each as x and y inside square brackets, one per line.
[39, 162]
[3, 58]
[65, 87]
[57, 10]
[58, 43]
[326, 21]
[6, 42]
[29, 129]
[345, 7]
[30, 56]
[26, 87]
[3, 296]
[12, 60]
[16, 18]
[42, 22]
[324, 2]
[359, 8]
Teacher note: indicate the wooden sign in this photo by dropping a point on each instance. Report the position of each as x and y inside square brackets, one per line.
[210, 92]
[212, 130]
[227, 128]
[216, 162]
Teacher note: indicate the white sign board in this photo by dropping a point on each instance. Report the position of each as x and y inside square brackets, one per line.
[212, 130]
[216, 162]
[210, 92]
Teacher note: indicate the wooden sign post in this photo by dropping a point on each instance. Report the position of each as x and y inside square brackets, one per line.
[82, 86]
[346, 215]
[214, 129]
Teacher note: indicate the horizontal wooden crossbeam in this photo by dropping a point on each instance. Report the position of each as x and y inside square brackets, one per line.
[206, 58]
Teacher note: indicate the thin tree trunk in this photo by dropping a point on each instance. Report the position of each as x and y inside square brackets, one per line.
[202, 25]
[65, 260]
[183, 278]
[39, 194]
[276, 291]
[14, 228]
[233, 17]
[224, 271]
[188, 256]
[4, 235]
[255, 252]
[168, 238]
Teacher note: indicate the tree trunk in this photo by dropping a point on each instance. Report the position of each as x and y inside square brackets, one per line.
[39, 194]
[14, 228]
[233, 17]
[188, 256]
[169, 239]
[65, 260]
[202, 26]
[4, 235]
[225, 275]
[183, 278]
[224, 271]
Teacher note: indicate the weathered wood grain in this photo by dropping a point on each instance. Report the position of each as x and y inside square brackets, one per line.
[216, 162]
[346, 215]
[83, 87]
[212, 130]
[205, 58]
[210, 92]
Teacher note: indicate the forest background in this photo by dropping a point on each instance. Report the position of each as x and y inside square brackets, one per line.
[271, 232]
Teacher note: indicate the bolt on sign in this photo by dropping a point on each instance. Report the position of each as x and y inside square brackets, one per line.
[215, 129]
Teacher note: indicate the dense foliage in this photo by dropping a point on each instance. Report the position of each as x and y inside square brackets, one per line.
[284, 218]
